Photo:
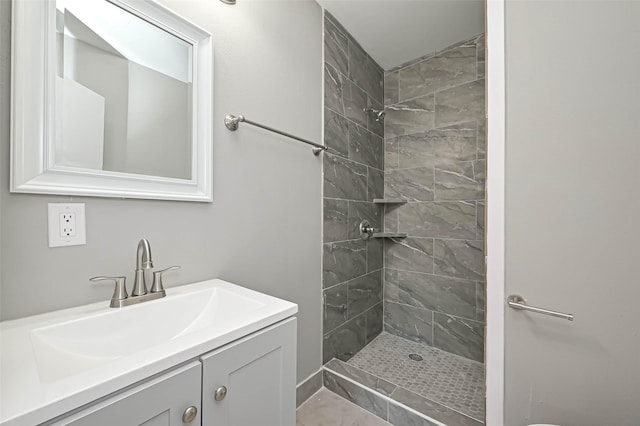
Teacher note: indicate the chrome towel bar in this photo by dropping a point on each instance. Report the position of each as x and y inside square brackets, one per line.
[233, 121]
[517, 302]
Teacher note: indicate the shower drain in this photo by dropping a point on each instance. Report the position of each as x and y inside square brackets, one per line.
[415, 357]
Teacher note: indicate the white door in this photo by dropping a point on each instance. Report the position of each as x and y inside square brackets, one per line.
[573, 212]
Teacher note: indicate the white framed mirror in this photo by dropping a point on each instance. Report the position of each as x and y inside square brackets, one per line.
[110, 98]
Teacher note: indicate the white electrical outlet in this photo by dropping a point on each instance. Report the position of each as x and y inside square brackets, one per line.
[66, 224]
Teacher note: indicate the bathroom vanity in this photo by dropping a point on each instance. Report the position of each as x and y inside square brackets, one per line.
[208, 353]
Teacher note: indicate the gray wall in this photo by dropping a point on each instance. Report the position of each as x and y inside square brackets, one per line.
[352, 268]
[434, 158]
[106, 74]
[572, 203]
[263, 229]
[158, 124]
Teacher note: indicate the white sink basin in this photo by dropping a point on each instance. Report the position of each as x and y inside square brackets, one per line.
[53, 363]
[70, 347]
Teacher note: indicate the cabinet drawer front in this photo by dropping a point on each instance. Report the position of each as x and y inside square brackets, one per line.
[158, 402]
[258, 374]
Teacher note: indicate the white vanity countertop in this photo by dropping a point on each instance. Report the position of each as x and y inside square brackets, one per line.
[53, 363]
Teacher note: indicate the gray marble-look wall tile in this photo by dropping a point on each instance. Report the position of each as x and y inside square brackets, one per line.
[460, 181]
[336, 48]
[391, 218]
[358, 395]
[391, 88]
[401, 416]
[409, 322]
[344, 341]
[481, 45]
[365, 147]
[459, 258]
[391, 290]
[480, 69]
[308, 388]
[460, 104]
[355, 101]
[373, 124]
[391, 154]
[480, 209]
[344, 179]
[375, 254]
[335, 220]
[335, 307]
[364, 292]
[423, 405]
[481, 291]
[482, 139]
[412, 116]
[427, 149]
[375, 184]
[359, 211]
[412, 254]
[374, 318]
[448, 295]
[481, 49]
[467, 42]
[336, 133]
[332, 19]
[369, 380]
[333, 89]
[412, 184]
[365, 72]
[459, 336]
[343, 261]
[447, 219]
[447, 69]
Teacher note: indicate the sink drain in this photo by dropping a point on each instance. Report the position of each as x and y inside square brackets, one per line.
[415, 357]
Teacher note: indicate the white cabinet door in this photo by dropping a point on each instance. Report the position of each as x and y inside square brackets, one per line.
[258, 374]
[158, 402]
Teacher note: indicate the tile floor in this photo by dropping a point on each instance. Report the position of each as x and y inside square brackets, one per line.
[450, 380]
[325, 408]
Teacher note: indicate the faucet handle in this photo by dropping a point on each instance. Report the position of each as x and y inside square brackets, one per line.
[157, 286]
[120, 292]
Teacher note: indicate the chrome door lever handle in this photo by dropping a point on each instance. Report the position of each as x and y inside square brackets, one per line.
[517, 302]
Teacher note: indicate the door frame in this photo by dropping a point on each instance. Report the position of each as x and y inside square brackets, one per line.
[495, 226]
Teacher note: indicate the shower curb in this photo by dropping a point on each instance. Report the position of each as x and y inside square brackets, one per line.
[384, 406]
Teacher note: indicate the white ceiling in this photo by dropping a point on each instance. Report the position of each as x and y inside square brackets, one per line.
[398, 31]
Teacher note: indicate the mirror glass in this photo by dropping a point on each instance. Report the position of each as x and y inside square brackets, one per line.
[123, 93]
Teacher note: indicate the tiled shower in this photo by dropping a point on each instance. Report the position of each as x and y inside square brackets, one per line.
[435, 159]
[420, 176]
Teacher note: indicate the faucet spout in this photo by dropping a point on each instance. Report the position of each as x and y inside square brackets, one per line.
[143, 261]
[143, 255]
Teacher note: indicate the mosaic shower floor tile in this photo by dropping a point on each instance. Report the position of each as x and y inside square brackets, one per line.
[448, 379]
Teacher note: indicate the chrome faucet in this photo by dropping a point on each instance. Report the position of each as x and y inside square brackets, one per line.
[139, 293]
[143, 261]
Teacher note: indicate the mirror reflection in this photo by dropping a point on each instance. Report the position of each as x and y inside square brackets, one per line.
[123, 93]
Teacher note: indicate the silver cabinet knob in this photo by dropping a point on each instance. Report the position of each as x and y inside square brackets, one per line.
[220, 393]
[189, 414]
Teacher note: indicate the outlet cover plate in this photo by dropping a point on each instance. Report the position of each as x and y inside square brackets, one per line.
[56, 236]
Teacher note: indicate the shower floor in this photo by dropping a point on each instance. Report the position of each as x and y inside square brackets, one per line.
[450, 380]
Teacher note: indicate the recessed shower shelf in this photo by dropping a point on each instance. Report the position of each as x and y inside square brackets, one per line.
[389, 201]
[389, 235]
